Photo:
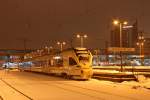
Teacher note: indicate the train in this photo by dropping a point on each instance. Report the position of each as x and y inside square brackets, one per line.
[73, 63]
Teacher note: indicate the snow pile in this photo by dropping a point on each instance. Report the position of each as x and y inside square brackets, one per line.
[141, 83]
[140, 78]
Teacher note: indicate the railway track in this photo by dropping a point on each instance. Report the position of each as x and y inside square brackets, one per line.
[77, 89]
[15, 89]
[89, 92]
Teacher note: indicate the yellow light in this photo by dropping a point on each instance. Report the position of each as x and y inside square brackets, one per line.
[58, 43]
[64, 43]
[46, 47]
[51, 47]
[85, 36]
[78, 36]
[125, 22]
[57, 57]
[137, 43]
[115, 22]
[142, 43]
[139, 37]
[142, 56]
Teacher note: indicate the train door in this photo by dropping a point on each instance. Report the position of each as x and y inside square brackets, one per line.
[56, 64]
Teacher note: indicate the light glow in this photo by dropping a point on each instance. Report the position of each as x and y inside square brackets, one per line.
[125, 22]
[85, 36]
[78, 36]
[57, 57]
[58, 43]
[115, 22]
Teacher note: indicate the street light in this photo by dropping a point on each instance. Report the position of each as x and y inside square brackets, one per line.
[140, 43]
[81, 38]
[48, 49]
[61, 45]
[121, 24]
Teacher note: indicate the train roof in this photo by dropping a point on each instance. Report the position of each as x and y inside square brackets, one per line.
[78, 50]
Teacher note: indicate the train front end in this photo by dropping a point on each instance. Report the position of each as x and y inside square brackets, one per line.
[85, 62]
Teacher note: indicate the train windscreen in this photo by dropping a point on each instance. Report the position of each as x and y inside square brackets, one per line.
[82, 54]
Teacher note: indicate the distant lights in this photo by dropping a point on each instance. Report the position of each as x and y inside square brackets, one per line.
[117, 22]
[125, 22]
[63, 43]
[46, 47]
[78, 36]
[137, 43]
[126, 27]
[58, 43]
[81, 36]
[85, 36]
[57, 57]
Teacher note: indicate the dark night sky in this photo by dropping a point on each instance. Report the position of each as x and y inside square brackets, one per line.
[43, 22]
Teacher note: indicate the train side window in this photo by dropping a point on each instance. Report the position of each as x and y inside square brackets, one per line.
[51, 62]
[59, 63]
[72, 61]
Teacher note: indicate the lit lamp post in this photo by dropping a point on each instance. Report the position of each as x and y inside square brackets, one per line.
[121, 24]
[61, 45]
[140, 43]
[81, 38]
[48, 49]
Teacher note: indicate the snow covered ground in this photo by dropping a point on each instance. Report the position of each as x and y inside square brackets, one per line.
[15, 85]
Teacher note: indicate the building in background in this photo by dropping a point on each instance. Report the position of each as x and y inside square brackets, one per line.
[147, 46]
[9, 57]
[129, 36]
